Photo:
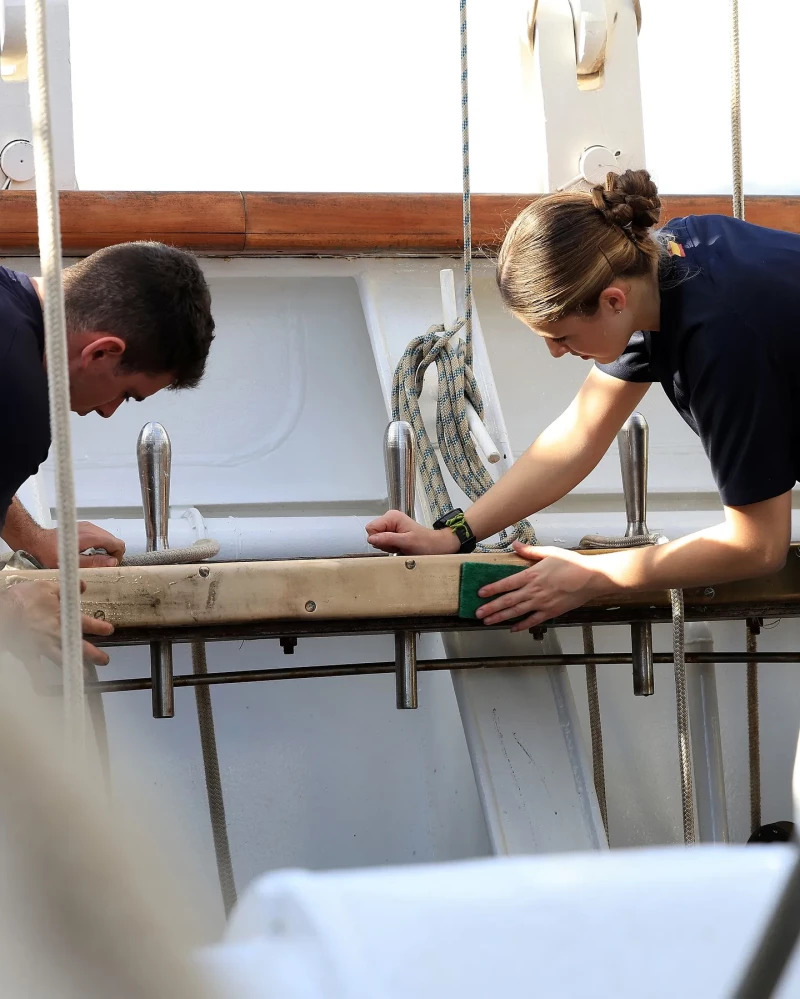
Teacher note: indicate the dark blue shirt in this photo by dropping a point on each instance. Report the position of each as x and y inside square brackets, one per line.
[24, 406]
[728, 351]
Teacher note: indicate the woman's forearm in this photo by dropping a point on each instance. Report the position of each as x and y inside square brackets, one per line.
[717, 555]
[561, 457]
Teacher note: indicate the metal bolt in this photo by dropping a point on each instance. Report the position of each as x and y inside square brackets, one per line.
[204, 571]
[410, 563]
[100, 615]
[709, 592]
[311, 606]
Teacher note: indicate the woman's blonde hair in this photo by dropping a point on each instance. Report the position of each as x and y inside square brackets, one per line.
[564, 249]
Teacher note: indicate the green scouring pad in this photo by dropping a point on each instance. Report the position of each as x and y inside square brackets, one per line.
[476, 575]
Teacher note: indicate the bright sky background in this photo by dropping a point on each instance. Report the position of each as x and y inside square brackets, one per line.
[363, 95]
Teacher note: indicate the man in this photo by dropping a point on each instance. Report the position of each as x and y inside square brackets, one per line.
[138, 320]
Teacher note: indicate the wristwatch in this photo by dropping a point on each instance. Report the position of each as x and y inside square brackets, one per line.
[454, 519]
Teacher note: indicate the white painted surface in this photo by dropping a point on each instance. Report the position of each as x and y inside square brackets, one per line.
[327, 773]
[622, 925]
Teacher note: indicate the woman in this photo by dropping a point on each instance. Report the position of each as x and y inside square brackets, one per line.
[709, 308]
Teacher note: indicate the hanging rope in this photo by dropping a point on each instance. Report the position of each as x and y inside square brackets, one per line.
[201, 550]
[57, 377]
[595, 726]
[598, 541]
[736, 117]
[682, 713]
[453, 358]
[753, 726]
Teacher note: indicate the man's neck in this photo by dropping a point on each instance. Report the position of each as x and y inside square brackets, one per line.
[38, 284]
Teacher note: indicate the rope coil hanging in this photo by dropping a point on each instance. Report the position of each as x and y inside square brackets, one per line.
[457, 385]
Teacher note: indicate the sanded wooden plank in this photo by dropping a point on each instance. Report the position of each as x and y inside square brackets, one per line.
[338, 589]
[329, 224]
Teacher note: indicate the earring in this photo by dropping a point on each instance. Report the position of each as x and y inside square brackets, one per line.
[618, 312]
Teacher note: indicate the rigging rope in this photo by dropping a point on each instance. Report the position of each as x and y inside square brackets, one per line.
[753, 726]
[457, 385]
[736, 117]
[201, 550]
[595, 726]
[681, 702]
[57, 378]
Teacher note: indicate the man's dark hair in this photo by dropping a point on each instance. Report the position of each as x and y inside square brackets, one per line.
[152, 296]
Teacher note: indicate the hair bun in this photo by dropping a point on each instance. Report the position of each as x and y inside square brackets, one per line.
[629, 200]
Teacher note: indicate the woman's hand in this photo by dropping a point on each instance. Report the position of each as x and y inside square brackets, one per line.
[559, 581]
[395, 532]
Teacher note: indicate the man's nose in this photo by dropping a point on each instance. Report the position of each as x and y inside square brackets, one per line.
[109, 409]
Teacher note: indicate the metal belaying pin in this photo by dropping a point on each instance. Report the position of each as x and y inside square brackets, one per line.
[154, 455]
[398, 454]
[633, 459]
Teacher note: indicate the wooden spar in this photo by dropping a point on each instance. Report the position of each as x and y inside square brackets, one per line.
[309, 590]
[237, 223]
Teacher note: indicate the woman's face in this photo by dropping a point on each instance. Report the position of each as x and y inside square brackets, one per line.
[600, 337]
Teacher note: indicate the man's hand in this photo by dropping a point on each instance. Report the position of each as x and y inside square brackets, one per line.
[395, 532]
[34, 621]
[44, 546]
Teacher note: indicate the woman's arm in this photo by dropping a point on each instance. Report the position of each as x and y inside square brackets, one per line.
[752, 542]
[561, 457]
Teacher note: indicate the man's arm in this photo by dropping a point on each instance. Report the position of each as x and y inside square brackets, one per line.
[22, 533]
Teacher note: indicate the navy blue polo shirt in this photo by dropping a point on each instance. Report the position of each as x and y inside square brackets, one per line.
[728, 350]
[24, 405]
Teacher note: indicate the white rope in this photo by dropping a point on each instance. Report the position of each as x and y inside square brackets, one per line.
[736, 117]
[457, 385]
[598, 541]
[57, 376]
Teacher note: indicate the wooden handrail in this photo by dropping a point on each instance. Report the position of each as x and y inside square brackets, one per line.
[288, 224]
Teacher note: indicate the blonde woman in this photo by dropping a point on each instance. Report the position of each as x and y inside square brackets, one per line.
[709, 308]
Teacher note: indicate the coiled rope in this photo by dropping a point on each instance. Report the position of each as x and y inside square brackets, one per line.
[201, 550]
[597, 541]
[453, 358]
[55, 336]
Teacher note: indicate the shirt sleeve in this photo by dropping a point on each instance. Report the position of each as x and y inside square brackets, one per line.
[742, 414]
[634, 364]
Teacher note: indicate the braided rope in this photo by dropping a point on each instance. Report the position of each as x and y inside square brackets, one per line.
[682, 715]
[679, 659]
[753, 729]
[55, 333]
[202, 549]
[736, 117]
[457, 385]
[595, 726]
[466, 210]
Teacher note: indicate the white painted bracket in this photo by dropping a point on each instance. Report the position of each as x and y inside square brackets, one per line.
[15, 119]
[587, 91]
[531, 767]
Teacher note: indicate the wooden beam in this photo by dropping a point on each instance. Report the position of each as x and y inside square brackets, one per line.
[205, 222]
[339, 589]
[296, 224]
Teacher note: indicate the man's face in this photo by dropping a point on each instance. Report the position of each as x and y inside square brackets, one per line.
[97, 381]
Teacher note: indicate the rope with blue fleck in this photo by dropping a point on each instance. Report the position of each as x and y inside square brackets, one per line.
[453, 358]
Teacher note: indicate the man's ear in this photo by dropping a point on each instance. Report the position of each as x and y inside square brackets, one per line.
[100, 347]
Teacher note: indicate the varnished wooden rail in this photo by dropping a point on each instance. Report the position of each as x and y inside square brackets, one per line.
[239, 223]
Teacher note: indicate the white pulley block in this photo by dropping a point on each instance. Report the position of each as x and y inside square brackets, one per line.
[16, 160]
[594, 164]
